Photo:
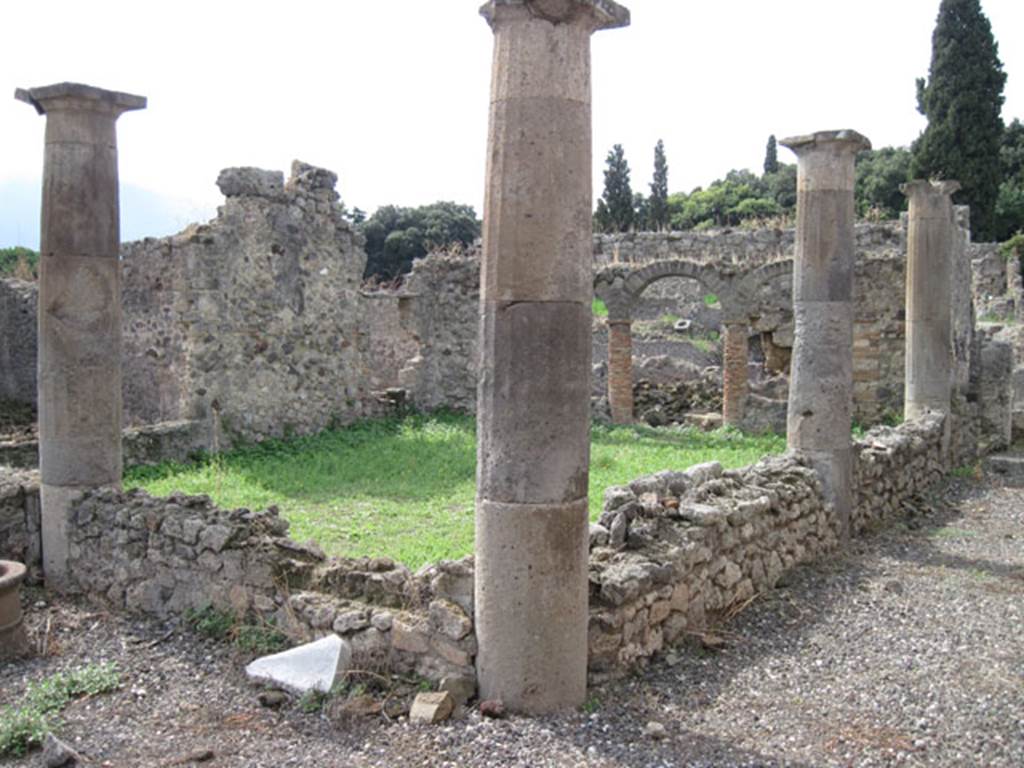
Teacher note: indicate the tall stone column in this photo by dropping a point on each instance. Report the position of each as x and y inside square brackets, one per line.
[533, 411]
[735, 376]
[620, 370]
[929, 333]
[821, 371]
[79, 304]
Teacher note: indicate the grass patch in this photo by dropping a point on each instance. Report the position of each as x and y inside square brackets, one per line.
[405, 488]
[952, 533]
[25, 725]
[224, 626]
[599, 308]
[707, 342]
[710, 300]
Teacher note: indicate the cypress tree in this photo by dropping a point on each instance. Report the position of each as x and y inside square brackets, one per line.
[963, 99]
[771, 156]
[657, 204]
[616, 215]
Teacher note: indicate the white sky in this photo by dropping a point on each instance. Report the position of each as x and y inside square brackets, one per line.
[392, 94]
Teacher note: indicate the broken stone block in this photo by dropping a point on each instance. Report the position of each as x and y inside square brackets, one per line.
[431, 708]
[310, 667]
[461, 687]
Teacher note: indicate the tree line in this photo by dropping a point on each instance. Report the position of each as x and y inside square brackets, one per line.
[965, 140]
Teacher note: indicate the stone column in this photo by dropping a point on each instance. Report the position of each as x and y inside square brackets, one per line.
[735, 376]
[620, 370]
[533, 412]
[79, 305]
[929, 333]
[821, 372]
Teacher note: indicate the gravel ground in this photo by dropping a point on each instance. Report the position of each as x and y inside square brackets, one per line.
[907, 651]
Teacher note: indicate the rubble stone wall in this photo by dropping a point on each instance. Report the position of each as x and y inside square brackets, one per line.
[18, 302]
[252, 320]
[20, 537]
[163, 556]
[671, 552]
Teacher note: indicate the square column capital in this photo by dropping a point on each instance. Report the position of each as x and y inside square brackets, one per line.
[604, 14]
[79, 97]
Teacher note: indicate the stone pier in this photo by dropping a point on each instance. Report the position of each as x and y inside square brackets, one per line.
[929, 339]
[79, 304]
[821, 373]
[735, 376]
[533, 409]
[620, 370]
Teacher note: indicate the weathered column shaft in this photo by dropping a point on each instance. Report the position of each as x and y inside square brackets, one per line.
[79, 304]
[620, 371]
[735, 376]
[533, 411]
[821, 374]
[929, 323]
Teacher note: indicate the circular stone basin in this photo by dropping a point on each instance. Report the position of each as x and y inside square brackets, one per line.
[12, 633]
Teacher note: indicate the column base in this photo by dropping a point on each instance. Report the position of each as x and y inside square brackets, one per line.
[531, 604]
[55, 503]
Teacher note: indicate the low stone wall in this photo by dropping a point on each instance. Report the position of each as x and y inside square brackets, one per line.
[19, 519]
[166, 556]
[676, 548]
[893, 468]
[18, 301]
[149, 444]
[672, 552]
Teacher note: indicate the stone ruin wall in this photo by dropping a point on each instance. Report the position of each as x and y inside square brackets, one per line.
[18, 310]
[254, 326]
[252, 321]
[673, 553]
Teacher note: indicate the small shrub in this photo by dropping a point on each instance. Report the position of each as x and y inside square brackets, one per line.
[224, 626]
[710, 300]
[599, 308]
[25, 726]
[260, 638]
[211, 622]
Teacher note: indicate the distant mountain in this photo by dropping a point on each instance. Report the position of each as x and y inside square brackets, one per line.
[143, 213]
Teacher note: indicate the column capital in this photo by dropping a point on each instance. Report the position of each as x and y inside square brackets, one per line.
[603, 14]
[929, 187]
[79, 97]
[832, 141]
[825, 160]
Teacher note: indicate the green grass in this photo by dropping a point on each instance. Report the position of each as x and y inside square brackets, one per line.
[711, 300]
[599, 308]
[405, 488]
[225, 626]
[26, 724]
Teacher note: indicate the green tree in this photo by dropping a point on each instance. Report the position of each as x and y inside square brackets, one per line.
[771, 156]
[657, 203]
[963, 99]
[1010, 202]
[616, 213]
[395, 237]
[22, 263]
[879, 175]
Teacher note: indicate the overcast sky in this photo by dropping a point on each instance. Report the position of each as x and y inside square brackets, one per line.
[392, 94]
